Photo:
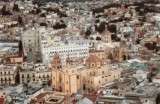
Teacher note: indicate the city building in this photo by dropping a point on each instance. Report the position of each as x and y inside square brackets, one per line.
[127, 92]
[8, 74]
[74, 78]
[38, 73]
[2, 98]
[30, 42]
[49, 97]
[73, 46]
[11, 52]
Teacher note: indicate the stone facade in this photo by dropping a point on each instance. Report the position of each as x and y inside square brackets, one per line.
[73, 78]
[8, 75]
[35, 74]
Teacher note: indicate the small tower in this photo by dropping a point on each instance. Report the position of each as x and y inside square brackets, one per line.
[68, 61]
[56, 63]
[56, 75]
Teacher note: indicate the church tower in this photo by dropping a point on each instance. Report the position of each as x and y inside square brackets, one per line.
[56, 62]
[56, 75]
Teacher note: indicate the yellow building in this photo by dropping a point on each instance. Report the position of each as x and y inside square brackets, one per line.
[64, 79]
[90, 76]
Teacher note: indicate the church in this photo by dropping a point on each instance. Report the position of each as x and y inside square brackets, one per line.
[75, 77]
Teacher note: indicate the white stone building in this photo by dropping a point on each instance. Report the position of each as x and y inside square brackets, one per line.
[73, 46]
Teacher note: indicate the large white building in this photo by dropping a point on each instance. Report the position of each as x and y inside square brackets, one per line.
[74, 47]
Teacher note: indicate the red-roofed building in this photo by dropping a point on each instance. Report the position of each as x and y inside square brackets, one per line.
[2, 100]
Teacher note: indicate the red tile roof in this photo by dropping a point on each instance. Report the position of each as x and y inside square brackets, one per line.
[1, 100]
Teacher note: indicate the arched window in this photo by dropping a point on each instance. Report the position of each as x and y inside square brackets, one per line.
[9, 79]
[1, 79]
[22, 75]
[5, 80]
[27, 75]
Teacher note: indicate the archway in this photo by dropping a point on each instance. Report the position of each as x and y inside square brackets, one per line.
[124, 57]
[84, 87]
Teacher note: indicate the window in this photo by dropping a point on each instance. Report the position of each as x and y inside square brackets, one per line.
[66, 82]
[146, 100]
[102, 72]
[78, 77]
[22, 75]
[9, 79]
[27, 75]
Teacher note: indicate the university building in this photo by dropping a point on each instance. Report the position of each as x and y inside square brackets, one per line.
[73, 46]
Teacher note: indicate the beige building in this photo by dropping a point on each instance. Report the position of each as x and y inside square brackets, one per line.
[8, 74]
[64, 79]
[74, 77]
[47, 97]
[38, 73]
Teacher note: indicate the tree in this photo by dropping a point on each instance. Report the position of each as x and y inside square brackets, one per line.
[115, 38]
[16, 7]
[98, 38]
[101, 27]
[112, 28]
[151, 46]
[87, 33]
[38, 10]
[59, 25]
[4, 11]
[149, 77]
[20, 20]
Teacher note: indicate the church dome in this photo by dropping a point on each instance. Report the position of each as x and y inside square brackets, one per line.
[93, 61]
